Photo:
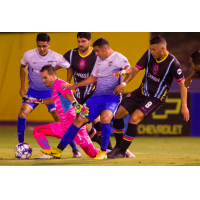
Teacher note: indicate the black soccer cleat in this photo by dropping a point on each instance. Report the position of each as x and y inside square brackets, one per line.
[118, 154]
[113, 152]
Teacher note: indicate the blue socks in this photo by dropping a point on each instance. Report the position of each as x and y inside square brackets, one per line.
[73, 145]
[68, 136]
[105, 136]
[21, 126]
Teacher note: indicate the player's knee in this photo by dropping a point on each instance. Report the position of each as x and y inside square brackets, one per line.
[79, 121]
[35, 130]
[105, 119]
[22, 114]
[134, 119]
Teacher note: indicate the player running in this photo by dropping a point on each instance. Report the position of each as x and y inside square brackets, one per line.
[195, 64]
[82, 61]
[103, 102]
[64, 100]
[36, 59]
[161, 68]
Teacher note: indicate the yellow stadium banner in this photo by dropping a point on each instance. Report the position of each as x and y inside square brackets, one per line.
[13, 45]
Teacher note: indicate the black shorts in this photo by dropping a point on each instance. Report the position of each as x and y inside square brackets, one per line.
[136, 100]
[83, 100]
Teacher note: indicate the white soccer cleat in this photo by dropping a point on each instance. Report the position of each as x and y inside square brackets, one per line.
[44, 156]
[129, 154]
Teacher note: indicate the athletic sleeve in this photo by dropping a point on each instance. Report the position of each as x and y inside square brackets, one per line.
[142, 63]
[62, 62]
[24, 60]
[123, 62]
[95, 72]
[67, 56]
[57, 85]
[176, 71]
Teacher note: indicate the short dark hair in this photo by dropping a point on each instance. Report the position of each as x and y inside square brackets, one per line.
[50, 69]
[196, 57]
[101, 42]
[44, 37]
[86, 35]
[158, 40]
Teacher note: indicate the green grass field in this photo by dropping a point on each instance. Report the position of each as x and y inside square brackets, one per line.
[149, 151]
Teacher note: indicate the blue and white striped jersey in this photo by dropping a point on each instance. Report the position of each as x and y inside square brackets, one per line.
[35, 62]
[106, 83]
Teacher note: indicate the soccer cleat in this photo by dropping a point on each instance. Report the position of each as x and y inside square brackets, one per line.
[56, 153]
[76, 154]
[115, 150]
[101, 155]
[118, 154]
[129, 154]
[44, 156]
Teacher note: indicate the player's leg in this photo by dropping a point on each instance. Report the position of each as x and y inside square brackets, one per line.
[54, 113]
[40, 133]
[97, 126]
[148, 106]
[68, 136]
[25, 110]
[92, 132]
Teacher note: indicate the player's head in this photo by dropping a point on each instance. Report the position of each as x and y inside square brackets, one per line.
[101, 48]
[48, 75]
[43, 43]
[158, 46]
[195, 61]
[84, 41]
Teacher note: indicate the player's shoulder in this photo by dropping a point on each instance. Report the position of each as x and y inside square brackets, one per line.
[53, 53]
[175, 60]
[31, 52]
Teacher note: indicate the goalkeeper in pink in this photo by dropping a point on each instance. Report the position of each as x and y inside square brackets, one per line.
[64, 101]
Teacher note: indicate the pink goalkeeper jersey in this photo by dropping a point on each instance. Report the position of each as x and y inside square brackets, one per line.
[62, 104]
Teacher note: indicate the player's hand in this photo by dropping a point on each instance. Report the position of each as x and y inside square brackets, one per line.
[118, 74]
[32, 100]
[188, 82]
[119, 89]
[185, 113]
[69, 86]
[22, 91]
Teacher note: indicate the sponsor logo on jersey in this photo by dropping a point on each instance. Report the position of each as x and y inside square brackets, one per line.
[128, 95]
[155, 69]
[153, 78]
[110, 63]
[50, 62]
[179, 71]
[82, 75]
[82, 64]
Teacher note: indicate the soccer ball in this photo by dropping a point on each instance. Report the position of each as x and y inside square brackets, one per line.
[23, 151]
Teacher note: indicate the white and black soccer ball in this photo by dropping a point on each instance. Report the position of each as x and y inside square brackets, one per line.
[23, 151]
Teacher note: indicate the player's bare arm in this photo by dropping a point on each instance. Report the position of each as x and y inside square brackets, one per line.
[120, 88]
[69, 74]
[91, 79]
[127, 70]
[23, 71]
[184, 108]
[48, 101]
[189, 79]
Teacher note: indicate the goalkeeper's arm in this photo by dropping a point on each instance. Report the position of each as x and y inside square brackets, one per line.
[38, 101]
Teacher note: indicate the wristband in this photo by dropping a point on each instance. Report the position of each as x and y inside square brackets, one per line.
[123, 83]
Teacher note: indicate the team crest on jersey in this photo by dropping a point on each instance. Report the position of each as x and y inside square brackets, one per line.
[110, 63]
[82, 64]
[155, 69]
[128, 95]
[179, 71]
[50, 62]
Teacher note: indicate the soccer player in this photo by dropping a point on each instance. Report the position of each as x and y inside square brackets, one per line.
[195, 64]
[36, 59]
[161, 68]
[103, 102]
[82, 61]
[63, 99]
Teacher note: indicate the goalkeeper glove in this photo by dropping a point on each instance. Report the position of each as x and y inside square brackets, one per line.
[32, 100]
[80, 109]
